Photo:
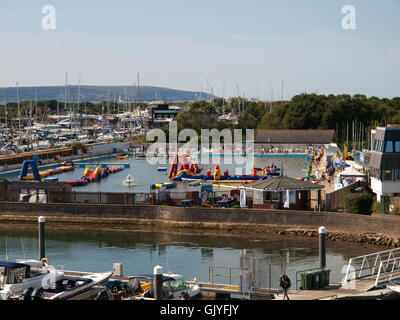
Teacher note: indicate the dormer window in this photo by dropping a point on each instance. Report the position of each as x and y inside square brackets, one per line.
[397, 146]
[389, 146]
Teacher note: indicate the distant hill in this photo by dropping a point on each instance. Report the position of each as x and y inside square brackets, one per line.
[99, 93]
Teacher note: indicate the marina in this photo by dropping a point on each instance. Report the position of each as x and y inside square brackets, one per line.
[208, 152]
[139, 252]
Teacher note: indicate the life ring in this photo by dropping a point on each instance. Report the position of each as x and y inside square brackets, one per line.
[45, 261]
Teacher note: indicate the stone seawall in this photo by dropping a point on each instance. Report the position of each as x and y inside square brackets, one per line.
[377, 229]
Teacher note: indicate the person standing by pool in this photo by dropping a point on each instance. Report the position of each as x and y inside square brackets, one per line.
[284, 283]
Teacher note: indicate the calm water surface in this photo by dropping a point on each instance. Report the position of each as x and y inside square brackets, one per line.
[189, 255]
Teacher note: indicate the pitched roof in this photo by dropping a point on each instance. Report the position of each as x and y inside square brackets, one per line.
[283, 183]
[295, 136]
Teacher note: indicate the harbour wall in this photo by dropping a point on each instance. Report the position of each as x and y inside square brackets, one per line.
[249, 220]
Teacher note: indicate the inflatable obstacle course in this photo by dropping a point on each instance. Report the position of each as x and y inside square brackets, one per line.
[95, 175]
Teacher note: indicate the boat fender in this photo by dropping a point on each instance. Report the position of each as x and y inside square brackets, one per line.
[45, 261]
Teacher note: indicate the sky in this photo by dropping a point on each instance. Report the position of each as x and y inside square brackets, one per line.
[228, 47]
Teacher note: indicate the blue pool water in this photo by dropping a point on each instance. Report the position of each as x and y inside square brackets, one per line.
[146, 173]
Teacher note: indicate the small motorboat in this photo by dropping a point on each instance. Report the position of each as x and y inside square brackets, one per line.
[18, 275]
[86, 287]
[129, 181]
[174, 286]
[162, 169]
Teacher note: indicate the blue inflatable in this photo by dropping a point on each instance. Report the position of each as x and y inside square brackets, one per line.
[24, 169]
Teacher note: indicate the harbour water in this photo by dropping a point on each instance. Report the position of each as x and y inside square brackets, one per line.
[189, 255]
[146, 173]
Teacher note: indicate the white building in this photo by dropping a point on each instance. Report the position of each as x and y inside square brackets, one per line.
[385, 164]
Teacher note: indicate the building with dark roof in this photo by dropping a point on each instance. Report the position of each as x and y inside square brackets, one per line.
[295, 136]
[283, 192]
[384, 164]
[162, 113]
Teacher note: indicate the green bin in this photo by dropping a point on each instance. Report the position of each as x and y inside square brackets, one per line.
[306, 281]
[325, 277]
[316, 278]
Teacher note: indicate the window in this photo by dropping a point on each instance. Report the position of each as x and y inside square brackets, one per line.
[275, 196]
[397, 176]
[389, 146]
[387, 175]
[267, 196]
[292, 196]
[397, 145]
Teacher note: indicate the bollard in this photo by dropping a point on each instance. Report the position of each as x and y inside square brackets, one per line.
[117, 269]
[322, 247]
[158, 282]
[42, 238]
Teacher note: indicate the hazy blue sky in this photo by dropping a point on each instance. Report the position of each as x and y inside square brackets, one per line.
[180, 44]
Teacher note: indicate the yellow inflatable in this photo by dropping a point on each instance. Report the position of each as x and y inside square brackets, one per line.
[185, 170]
[217, 173]
[121, 157]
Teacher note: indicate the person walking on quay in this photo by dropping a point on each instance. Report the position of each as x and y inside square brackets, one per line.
[284, 283]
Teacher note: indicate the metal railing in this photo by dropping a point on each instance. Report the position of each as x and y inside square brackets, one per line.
[228, 275]
[386, 270]
[373, 264]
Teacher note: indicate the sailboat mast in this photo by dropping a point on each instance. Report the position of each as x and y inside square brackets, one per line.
[140, 109]
[65, 96]
[79, 95]
[125, 106]
[36, 106]
[223, 98]
[19, 114]
[5, 107]
[30, 124]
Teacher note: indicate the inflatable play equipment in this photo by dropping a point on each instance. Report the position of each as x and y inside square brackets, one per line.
[217, 175]
[166, 185]
[50, 179]
[185, 163]
[121, 157]
[174, 167]
[115, 169]
[104, 172]
[30, 176]
[67, 166]
[94, 175]
[35, 175]
[141, 155]
[192, 168]
[78, 183]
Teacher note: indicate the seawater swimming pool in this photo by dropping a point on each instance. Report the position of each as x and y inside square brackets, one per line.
[145, 171]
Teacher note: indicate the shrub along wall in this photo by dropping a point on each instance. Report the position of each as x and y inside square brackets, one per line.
[359, 203]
